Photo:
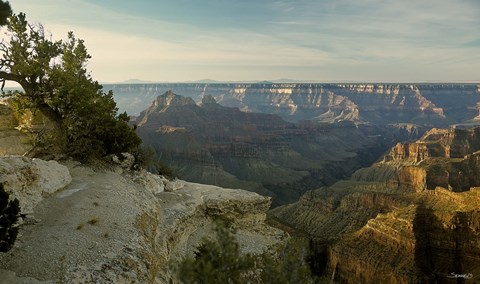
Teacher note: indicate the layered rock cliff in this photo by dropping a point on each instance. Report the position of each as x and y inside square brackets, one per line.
[435, 105]
[114, 225]
[445, 158]
[437, 143]
[210, 143]
[412, 218]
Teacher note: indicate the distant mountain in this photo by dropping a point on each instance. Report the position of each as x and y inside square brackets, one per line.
[286, 80]
[135, 81]
[204, 81]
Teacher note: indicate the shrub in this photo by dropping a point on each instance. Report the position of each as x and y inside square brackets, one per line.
[288, 267]
[9, 213]
[217, 261]
[220, 261]
[93, 221]
[146, 157]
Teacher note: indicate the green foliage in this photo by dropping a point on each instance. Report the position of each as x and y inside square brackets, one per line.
[5, 12]
[18, 104]
[93, 220]
[288, 267]
[9, 213]
[54, 77]
[165, 170]
[220, 261]
[217, 261]
[146, 157]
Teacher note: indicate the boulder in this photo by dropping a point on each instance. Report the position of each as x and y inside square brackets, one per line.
[29, 180]
[172, 185]
[153, 183]
[124, 160]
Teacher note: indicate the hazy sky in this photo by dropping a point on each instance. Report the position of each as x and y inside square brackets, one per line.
[336, 40]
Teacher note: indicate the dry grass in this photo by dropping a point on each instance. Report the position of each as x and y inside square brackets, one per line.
[93, 221]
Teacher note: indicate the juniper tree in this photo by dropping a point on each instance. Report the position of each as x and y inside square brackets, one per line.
[217, 261]
[56, 82]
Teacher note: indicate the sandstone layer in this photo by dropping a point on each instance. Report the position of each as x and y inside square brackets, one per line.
[411, 218]
[435, 105]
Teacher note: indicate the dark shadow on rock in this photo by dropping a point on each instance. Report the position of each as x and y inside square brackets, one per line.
[443, 255]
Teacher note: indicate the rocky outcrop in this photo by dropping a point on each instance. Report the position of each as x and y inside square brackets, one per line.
[422, 243]
[403, 220]
[446, 158]
[208, 100]
[224, 146]
[435, 105]
[410, 152]
[30, 180]
[412, 178]
[437, 143]
[163, 103]
[108, 225]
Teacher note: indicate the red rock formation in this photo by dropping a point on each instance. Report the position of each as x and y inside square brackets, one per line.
[412, 218]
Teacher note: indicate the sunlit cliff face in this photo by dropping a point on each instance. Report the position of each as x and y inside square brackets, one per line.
[429, 105]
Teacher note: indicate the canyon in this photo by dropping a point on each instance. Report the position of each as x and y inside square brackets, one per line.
[433, 105]
[366, 172]
[413, 217]
[110, 221]
[212, 144]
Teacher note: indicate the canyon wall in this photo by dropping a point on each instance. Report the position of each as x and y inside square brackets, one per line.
[411, 218]
[213, 144]
[424, 104]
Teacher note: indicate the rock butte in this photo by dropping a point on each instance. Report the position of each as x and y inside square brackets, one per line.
[412, 218]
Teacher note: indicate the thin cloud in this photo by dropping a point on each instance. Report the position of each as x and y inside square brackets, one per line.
[301, 39]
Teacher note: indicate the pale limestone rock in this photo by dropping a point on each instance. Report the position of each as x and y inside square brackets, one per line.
[172, 185]
[29, 180]
[186, 216]
[139, 230]
[10, 277]
[153, 183]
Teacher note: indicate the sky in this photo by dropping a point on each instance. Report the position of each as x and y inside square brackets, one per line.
[243, 40]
